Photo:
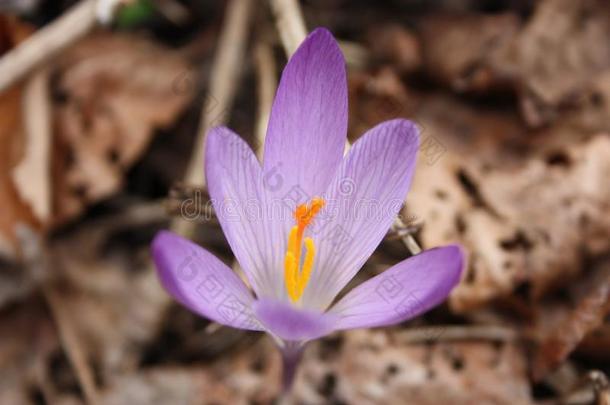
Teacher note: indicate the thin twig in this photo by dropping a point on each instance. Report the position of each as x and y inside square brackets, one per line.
[290, 23]
[456, 333]
[71, 343]
[408, 239]
[592, 388]
[37, 259]
[32, 174]
[356, 55]
[174, 11]
[47, 42]
[267, 83]
[224, 78]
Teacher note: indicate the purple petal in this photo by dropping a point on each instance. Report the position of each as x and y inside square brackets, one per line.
[235, 185]
[406, 290]
[201, 282]
[308, 122]
[362, 201]
[290, 323]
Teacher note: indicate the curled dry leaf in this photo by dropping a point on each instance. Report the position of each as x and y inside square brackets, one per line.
[555, 60]
[113, 92]
[561, 49]
[31, 176]
[568, 331]
[523, 220]
[458, 49]
[502, 199]
[590, 112]
[14, 209]
[396, 45]
[376, 98]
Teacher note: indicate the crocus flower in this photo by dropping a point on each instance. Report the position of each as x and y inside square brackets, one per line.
[302, 223]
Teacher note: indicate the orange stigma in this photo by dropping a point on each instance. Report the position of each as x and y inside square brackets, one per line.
[296, 280]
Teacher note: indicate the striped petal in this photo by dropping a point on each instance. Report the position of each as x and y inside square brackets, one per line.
[362, 201]
[308, 122]
[201, 282]
[402, 292]
[254, 232]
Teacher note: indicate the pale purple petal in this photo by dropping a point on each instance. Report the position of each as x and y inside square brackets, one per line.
[308, 122]
[288, 322]
[402, 292]
[254, 232]
[201, 282]
[362, 201]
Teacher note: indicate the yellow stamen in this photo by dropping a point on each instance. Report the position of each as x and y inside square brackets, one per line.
[297, 281]
[310, 250]
[293, 243]
[290, 274]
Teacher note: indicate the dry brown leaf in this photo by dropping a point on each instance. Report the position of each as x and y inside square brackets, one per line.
[397, 45]
[560, 51]
[28, 338]
[12, 32]
[590, 112]
[374, 367]
[14, 209]
[179, 386]
[458, 49]
[596, 345]
[550, 205]
[555, 61]
[375, 98]
[514, 206]
[108, 293]
[564, 335]
[114, 92]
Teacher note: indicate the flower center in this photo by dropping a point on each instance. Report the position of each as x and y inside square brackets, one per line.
[296, 280]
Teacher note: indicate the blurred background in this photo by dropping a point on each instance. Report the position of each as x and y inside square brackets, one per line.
[104, 106]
